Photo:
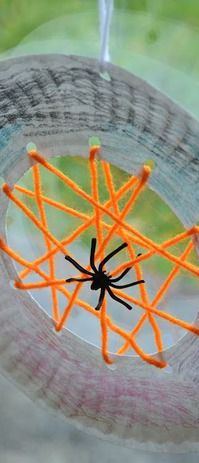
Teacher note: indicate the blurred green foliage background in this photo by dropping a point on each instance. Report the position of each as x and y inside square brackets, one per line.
[19, 17]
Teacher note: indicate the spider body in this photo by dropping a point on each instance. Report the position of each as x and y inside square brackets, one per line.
[100, 279]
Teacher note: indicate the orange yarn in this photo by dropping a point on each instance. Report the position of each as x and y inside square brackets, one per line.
[139, 275]
[128, 234]
[38, 193]
[104, 336]
[146, 242]
[93, 170]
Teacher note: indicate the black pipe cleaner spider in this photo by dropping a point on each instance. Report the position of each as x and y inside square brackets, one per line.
[101, 280]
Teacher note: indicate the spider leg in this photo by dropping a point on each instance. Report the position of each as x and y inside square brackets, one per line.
[122, 246]
[78, 266]
[122, 275]
[101, 298]
[92, 255]
[118, 299]
[124, 272]
[138, 282]
[69, 280]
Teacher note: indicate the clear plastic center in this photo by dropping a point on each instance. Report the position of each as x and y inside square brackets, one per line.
[149, 215]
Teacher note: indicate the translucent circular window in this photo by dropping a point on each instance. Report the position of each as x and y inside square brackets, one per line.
[53, 214]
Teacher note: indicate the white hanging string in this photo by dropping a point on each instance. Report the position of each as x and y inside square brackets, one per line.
[105, 15]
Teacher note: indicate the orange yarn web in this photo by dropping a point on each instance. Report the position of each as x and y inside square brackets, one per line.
[104, 233]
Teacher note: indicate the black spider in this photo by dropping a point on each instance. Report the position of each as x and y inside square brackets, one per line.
[99, 278]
